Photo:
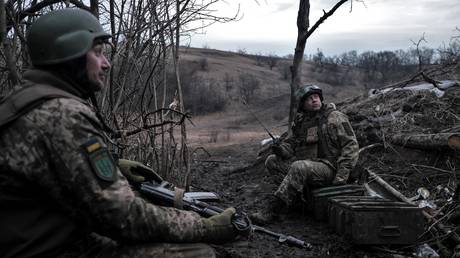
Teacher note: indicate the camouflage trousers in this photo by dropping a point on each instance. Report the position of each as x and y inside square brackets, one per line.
[300, 175]
[101, 247]
[277, 167]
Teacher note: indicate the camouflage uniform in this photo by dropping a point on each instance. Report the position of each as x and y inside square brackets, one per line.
[313, 156]
[51, 198]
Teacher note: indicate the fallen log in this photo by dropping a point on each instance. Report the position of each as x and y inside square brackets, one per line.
[439, 141]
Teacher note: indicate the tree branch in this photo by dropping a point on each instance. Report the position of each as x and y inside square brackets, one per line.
[324, 17]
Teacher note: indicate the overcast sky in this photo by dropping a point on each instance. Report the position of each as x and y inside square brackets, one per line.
[270, 27]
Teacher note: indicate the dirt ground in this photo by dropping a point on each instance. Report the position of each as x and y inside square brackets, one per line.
[242, 185]
[230, 168]
[245, 186]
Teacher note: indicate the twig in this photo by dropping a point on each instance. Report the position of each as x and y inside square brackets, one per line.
[434, 168]
[369, 147]
[213, 161]
[439, 220]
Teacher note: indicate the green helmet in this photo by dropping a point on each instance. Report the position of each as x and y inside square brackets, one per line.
[63, 35]
[308, 90]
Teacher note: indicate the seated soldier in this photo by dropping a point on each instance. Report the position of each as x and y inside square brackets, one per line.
[320, 151]
[61, 193]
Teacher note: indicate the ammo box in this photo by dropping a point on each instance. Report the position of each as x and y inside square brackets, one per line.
[335, 212]
[371, 222]
[319, 198]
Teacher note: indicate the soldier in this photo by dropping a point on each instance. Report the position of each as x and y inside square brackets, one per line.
[61, 195]
[321, 151]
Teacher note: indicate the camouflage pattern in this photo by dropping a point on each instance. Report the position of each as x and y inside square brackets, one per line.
[303, 174]
[277, 167]
[318, 160]
[51, 199]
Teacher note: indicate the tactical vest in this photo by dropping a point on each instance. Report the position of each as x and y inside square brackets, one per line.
[312, 140]
[26, 99]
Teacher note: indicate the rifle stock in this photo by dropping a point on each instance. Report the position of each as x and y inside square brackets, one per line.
[162, 196]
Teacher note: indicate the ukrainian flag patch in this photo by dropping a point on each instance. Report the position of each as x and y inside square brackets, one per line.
[100, 160]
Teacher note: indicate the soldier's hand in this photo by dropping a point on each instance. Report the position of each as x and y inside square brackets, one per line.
[277, 149]
[220, 228]
[137, 172]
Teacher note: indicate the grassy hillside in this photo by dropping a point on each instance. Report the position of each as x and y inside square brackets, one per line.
[226, 74]
[227, 68]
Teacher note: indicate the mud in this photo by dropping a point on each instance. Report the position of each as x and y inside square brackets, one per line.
[236, 173]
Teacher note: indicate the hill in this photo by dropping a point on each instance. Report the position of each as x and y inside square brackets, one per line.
[233, 77]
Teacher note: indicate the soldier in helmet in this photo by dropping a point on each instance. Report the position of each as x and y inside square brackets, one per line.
[61, 194]
[321, 151]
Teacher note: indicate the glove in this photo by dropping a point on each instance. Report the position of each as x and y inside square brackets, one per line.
[283, 152]
[137, 172]
[219, 228]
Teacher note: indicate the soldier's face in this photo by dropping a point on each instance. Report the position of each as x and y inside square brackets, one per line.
[312, 103]
[97, 66]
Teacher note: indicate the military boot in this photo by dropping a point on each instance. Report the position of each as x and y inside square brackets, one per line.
[269, 212]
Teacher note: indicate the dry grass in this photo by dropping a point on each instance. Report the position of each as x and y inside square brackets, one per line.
[270, 102]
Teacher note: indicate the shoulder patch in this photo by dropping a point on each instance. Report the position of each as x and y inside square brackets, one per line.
[100, 160]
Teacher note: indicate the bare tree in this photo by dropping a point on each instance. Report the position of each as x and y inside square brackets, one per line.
[145, 39]
[418, 51]
[272, 61]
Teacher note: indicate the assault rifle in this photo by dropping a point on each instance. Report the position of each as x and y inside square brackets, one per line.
[274, 139]
[163, 196]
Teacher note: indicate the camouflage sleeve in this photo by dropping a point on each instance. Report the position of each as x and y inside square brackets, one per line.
[287, 150]
[289, 143]
[287, 146]
[108, 206]
[342, 133]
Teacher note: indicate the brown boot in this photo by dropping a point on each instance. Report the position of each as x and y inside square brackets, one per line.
[269, 212]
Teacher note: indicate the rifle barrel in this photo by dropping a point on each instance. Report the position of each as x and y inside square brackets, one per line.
[164, 195]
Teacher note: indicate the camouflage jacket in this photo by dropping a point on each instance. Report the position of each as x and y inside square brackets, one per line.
[51, 194]
[326, 136]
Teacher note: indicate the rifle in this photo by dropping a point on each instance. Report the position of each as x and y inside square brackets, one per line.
[163, 196]
[274, 139]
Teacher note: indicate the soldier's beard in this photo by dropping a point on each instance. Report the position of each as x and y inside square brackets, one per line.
[74, 72]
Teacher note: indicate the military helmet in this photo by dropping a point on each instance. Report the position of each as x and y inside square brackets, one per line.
[63, 35]
[308, 90]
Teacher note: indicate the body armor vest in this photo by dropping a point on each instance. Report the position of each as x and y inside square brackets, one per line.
[312, 140]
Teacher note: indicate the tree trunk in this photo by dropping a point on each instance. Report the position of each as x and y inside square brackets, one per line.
[2, 22]
[94, 6]
[303, 34]
[185, 155]
[440, 141]
[303, 24]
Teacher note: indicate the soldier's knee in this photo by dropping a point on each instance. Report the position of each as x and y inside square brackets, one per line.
[298, 166]
[301, 167]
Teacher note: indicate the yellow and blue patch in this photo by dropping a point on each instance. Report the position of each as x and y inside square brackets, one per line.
[100, 160]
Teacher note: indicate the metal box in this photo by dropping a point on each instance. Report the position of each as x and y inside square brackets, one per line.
[335, 213]
[374, 222]
[319, 198]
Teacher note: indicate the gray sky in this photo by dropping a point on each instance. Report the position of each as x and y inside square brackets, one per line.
[378, 25]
